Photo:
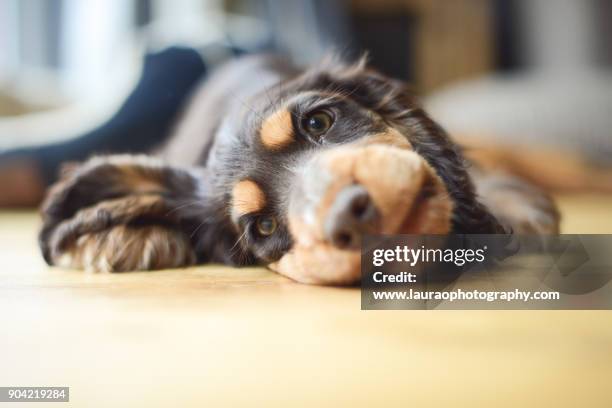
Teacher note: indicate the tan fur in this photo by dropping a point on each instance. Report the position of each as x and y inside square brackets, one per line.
[133, 174]
[125, 248]
[552, 169]
[320, 264]
[106, 214]
[247, 198]
[137, 173]
[277, 130]
[141, 181]
[101, 239]
[393, 177]
[528, 210]
[390, 137]
[345, 170]
[407, 192]
[431, 210]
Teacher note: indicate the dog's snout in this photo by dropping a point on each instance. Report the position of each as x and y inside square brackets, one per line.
[352, 215]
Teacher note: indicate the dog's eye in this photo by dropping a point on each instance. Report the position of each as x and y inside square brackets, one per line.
[266, 226]
[318, 123]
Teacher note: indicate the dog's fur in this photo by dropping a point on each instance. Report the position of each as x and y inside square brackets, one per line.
[240, 152]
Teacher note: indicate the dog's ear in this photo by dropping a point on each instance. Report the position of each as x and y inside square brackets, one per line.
[119, 213]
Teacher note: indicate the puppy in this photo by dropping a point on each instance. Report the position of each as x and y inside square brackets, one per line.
[286, 168]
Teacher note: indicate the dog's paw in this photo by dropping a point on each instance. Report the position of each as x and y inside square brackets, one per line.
[118, 235]
[127, 248]
[521, 207]
[117, 214]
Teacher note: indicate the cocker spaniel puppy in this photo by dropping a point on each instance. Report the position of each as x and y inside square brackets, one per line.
[286, 168]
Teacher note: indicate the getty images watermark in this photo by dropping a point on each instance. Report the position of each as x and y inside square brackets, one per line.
[487, 272]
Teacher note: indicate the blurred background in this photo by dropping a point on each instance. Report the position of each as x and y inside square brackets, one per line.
[516, 71]
[530, 73]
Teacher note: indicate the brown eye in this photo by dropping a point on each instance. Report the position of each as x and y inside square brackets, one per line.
[318, 123]
[266, 226]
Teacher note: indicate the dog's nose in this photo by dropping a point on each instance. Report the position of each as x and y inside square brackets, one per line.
[352, 215]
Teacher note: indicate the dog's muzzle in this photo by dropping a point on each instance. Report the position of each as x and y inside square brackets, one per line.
[346, 192]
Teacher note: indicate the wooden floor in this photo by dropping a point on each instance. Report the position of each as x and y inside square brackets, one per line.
[215, 336]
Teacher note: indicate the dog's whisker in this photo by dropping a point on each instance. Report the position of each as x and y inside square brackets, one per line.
[200, 225]
[245, 104]
[268, 95]
[182, 206]
[240, 238]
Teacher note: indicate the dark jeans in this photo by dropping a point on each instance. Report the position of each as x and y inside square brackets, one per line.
[143, 120]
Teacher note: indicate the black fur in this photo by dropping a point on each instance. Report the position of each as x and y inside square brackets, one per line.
[364, 102]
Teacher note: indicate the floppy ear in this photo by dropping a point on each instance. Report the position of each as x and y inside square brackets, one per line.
[119, 213]
[485, 201]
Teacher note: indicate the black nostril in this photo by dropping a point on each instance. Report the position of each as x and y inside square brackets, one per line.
[359, 205]
[342, 239]
[351, 215]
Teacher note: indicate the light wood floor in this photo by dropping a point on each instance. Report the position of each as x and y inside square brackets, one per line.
[216, 336]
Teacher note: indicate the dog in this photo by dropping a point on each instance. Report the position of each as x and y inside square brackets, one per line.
[283, 167]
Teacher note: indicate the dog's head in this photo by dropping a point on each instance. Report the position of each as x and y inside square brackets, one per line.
[301, 171]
